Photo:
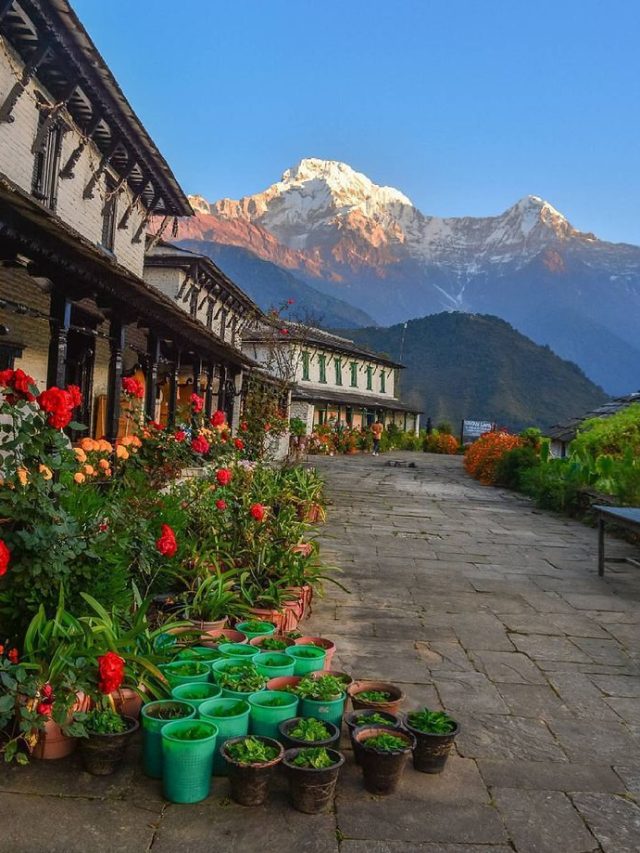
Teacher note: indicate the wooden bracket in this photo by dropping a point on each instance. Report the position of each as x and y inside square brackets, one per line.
[67, 171]
[104, 162]
[28, 71]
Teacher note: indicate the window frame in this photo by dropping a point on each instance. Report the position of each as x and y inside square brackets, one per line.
[306, 365]
[369, 378]
[354, 374]
[383, 381]
[109, 216]
[337, 361]
[46, 165]
[322, 368]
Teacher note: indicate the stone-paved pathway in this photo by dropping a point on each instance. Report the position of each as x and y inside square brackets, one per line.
[473, 601]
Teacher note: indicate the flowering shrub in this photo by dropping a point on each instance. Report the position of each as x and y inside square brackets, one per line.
[481, 458]
[440, 442]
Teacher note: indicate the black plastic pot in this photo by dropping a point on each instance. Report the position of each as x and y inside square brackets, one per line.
[432, 750]
[312, 788]
[383, 769]
[250, 782]
[293, 743]
[103, 754]
[393, 723]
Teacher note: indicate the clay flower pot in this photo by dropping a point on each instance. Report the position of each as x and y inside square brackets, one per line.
[343, 676]
[223, 635]
[102, 754]
[281, 682]
[206, 627]
[391, 705]
[128, 702]
[382, 769]
[259, 641]
[52, 743]
[312, 788]
[322, 643]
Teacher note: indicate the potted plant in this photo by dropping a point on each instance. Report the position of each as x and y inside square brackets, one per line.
[323, 698]
[108, 734]
[313, 774]
[343, 677]
[251, 762]
[283, 682]
[238, 651]
[188, 747]
[434, 732]
[185, 671]
[214, 601]
[321, 643]
[308, 731]
[273, 665]
[256, 628]
[201, 653]
[231, 717]
[196, 693]
[384, 753]
[268, 709]
[155, 715]
[357, 719]
[226, 635]
[273, 643]
[307, 658]
[237, 678]
[376, 696]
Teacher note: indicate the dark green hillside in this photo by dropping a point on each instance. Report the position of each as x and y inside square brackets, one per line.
[478, 366]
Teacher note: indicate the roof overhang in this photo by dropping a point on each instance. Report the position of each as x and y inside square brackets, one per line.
[346, 398]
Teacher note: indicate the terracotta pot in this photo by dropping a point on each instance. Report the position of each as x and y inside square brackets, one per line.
[52, 743]
[307, 597]
[344, 676]
[225, 635]
[128, 701]
[276, 617]
[282, 681]
[207, 627]
[392, 705]
[291, 615]
[258, 641]
[323, 644]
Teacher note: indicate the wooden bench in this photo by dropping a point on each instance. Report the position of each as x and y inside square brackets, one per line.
[623, 516]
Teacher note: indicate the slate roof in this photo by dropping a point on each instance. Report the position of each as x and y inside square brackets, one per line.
[567, 431]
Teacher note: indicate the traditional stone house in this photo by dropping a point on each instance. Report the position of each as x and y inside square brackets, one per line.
[561, 435]
[333, 380]
[80, 180]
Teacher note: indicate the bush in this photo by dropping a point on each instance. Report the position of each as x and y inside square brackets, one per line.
[613, 435]
[555, 485]
[482, 457]
[512, 466]
[440, 442]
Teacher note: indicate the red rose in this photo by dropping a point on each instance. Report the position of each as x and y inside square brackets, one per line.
[47, 692]
[5, 556]
[197, 403]
[166, 544]
[76, 395]
[110, 672]
[180, 435]
[22, 384]
[132, 387]
[45, 709]
[58, 405]
[155, 425]
[244, 426]
[239, 444]
[224, 476]
[221, 505]
[6, 378]
[13, 656]
[200, 444]
[257, 511]
[218, 418]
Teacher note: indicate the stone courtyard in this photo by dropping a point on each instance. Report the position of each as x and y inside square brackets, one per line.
[472, 600]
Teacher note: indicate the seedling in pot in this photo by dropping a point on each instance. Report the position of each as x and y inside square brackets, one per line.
[255, 626]
[374, 696]
[385, 743]
[316, 757]
[250, 750]
[168, 711]
[431, 722]
[310, 729]
[305, 653]
[275, 701]
[323, 689]
[232, 711]
[371, 720]
[182, 668]
[242, 678]
[272, 644]
[194, 732]
[104, 721]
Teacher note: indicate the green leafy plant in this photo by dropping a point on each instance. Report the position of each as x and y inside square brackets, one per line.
[310, 729]
[232, 711]
[251, 750]
[167, 710]
[385, 743]
[272, 644]
[315, 757]
[256, 626]
[372, 719]
[195, 731]
[275, 701]
[306, 654]
[243, 678]
[431, 722]
[374, 696]
[186, 667]
[104, 721]
[325, 688]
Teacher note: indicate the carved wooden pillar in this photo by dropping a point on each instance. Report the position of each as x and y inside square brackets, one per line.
[60, 313]
[174, 378]
[151, 376]
[208, 394]
[222, 391]
[114, 380]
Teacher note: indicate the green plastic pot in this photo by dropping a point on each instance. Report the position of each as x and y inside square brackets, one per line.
[330, 711]
[151, 733]
[228, 727]
[269, 628]
[274, 664]
[188, 760]
[196, 692]
[265, 718]
[200, 671]
[237, 651]
[201, 653]
[307, 658]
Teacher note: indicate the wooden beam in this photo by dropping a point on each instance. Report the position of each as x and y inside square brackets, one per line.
[114, 380]
[60, 313]
[28, 71]
[104, 162]
[174, 379]
[5, 8]
[151, 375]
[69, 166]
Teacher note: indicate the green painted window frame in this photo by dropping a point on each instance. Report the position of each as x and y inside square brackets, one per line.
[369, 378]
[383, 381]
[322, 369]
[354, 374]
[306, 360]
[338, 366]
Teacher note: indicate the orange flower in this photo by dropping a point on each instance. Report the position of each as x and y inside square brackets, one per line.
[89, 470]
[104, 464]
[81, 456]
[88, 444]
[79, 477]
[104, 446]
[23, 476]
[122, 452]
[47, 474]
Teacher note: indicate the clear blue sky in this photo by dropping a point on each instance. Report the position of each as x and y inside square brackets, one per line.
[464, 105]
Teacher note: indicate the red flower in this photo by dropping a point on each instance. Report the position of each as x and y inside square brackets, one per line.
[155, 425]
[244, 426]
[132, 387]
[257, 511]
[22, 384]
[180, 435]
[267, 427]
[218, 418]
[76, 395]
[197, 403]
[167, 544]
[13, 656]
[221, 505]
[224, 476]
[225, 435]
[58, 405]
[6, 378]
[284, 331]
[45, 709]
[239, 444]
[5, 556]
[47, 692]
[200, 444]
[110, 672]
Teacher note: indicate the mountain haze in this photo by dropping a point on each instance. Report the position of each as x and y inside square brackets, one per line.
[370, 246]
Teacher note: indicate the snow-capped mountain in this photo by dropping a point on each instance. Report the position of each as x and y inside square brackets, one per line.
[369, 245]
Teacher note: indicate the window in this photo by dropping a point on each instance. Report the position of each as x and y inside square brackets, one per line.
[223, 324]
[109, 216]
[8, 355]
[210, 306]
[305, 366]
[354, 374]
[383, 381]
[338, 365]
[322, 367]
[47, 165]
[369, 378]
